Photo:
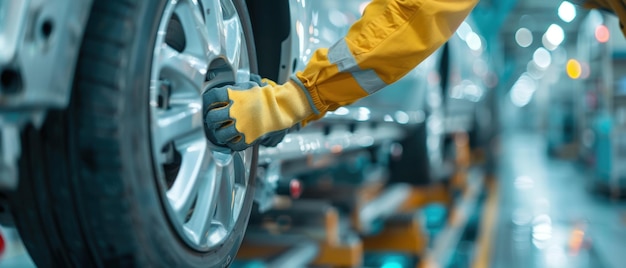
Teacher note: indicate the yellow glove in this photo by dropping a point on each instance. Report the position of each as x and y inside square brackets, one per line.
[254, 112]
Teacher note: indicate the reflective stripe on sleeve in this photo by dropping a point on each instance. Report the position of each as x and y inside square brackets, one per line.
[295, 79]
[368, 79]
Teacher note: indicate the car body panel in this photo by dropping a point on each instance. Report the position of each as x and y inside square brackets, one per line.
[39, 46]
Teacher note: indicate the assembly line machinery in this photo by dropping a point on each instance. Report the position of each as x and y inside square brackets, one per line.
[342, 217]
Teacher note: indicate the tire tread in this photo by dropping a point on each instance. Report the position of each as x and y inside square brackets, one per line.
[84, 182]
[110, 30]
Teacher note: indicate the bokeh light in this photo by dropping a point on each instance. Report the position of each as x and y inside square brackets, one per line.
[542, 58]
[463, 30]
[524, 37]
[567, 11]
[362, 7]
[585, 70]
[602, 34]
[573, 69]
[555, 35]
[523, 90]
[473, 41]
[534, 71]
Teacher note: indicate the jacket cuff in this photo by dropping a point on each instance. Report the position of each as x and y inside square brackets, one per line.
[316, 103]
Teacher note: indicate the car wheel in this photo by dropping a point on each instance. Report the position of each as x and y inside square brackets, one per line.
[125, 176]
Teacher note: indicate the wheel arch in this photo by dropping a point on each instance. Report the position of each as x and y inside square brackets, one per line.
[271, 26]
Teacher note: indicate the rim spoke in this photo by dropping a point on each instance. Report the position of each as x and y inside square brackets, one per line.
[246, 161]
[200, 222]
[203, 32]
[226, 201]
[232, 39]
[184, 191]
[241, 161]
[214, 24]
[184, 67]
[236, 46]
[178, 122]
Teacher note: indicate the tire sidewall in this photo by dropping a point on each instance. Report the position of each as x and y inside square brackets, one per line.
[161, 245]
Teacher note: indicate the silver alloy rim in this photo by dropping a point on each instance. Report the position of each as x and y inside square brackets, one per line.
[204, 185]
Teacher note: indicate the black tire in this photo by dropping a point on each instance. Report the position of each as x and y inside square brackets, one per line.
[88, 196]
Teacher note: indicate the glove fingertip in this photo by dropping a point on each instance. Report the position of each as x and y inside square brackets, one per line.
[239, 144]
[217, 115]
[226, 134]
[218, 105]
[236, 139]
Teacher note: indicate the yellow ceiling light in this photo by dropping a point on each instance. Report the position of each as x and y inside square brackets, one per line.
[573, 69]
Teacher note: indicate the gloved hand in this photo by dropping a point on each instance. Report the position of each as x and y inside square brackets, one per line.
[254, 112]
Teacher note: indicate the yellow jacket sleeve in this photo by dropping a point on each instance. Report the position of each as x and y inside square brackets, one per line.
[391, 38]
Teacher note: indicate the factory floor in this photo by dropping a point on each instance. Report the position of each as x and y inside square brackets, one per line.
[547, 216]
[543, 214]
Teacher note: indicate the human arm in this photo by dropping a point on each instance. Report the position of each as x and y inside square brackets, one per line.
[391, 38]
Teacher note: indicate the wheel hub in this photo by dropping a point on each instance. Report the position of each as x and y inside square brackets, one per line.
[200, 45]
